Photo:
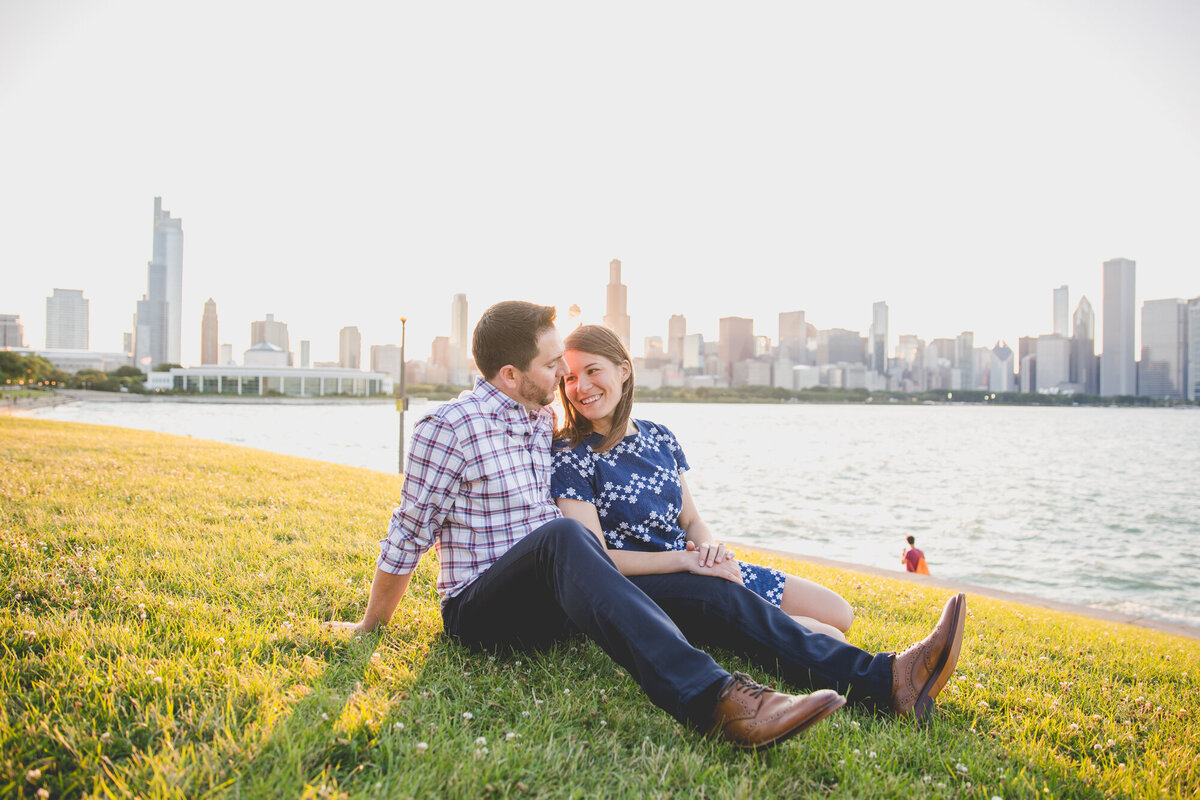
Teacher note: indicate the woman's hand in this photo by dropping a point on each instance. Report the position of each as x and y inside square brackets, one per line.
[725, 566]
[710, 553]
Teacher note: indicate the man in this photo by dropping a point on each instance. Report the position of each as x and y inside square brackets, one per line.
[912, 558]
[513, 572]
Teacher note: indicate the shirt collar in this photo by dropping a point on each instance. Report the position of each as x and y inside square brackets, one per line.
[502, 405]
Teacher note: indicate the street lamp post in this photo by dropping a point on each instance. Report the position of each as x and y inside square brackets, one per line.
[402, 401]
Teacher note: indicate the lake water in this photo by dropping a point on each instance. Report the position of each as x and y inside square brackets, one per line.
[1092, 506]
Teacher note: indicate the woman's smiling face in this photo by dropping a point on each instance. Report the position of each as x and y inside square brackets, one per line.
[593, 386]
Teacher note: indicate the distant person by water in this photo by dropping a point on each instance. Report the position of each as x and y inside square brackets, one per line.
[912, 558]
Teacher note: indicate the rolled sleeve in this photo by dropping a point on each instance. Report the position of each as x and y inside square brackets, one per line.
[431, 482]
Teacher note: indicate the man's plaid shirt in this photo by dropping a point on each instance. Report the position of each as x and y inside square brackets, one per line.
[478, 481]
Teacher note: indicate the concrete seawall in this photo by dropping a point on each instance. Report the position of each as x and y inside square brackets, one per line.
[983, 591]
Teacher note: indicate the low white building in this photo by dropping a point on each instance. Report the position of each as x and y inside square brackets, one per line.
[278, 380]
[73, 361]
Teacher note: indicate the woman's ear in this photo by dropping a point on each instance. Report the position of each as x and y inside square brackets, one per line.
[626, 371]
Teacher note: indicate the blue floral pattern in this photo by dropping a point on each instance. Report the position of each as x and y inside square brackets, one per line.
[636, 490]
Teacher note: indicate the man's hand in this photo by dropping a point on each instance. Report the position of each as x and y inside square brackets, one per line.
[386, 591]
[352, 627]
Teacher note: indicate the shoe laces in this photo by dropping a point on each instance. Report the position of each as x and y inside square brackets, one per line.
[741, 682]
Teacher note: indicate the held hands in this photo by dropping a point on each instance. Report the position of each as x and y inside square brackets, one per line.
[714, 560]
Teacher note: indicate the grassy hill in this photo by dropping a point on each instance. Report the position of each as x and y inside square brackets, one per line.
[161, 601]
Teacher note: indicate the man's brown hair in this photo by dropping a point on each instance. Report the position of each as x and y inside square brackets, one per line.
[508, 333]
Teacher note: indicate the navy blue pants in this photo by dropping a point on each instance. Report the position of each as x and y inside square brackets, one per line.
[559, 581]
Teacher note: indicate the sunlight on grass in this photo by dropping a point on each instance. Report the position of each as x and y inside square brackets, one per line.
[160, 616]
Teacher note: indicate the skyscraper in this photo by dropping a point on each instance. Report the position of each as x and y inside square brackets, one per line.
[676, 330]
[1163, 364]
[1061, 311]
[459, 343]
[67, 320]
[12, 332]
[617, 318]
[1083, 348]
[879, 337]
[305, 346]
[693, 354]
[1000, 371]
[1053, 363]
[735, 342]
[168, 253]
[964, 360]
[350, 348]
[1193, 350]
[210, 350]
[271, 331]
[1117, 371]
[793, 336]
[158, 321]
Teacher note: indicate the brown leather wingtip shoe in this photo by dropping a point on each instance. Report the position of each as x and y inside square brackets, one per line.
[754, 716]
[920, 671]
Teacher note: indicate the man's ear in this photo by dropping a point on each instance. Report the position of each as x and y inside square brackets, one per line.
[507, 378]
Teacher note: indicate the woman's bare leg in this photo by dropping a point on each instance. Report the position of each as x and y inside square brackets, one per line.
[820, 627]
[802, 598]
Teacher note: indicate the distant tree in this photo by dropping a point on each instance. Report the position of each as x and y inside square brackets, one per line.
[128, 372]
[164, 367]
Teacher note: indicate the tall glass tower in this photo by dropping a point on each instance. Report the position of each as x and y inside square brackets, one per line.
[1117, 370]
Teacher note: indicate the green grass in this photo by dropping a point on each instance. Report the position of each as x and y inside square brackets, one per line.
[160, 609]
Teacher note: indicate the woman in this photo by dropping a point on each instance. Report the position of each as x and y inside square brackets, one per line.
[623, 479]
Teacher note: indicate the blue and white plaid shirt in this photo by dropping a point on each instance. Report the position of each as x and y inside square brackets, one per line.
[478, 481]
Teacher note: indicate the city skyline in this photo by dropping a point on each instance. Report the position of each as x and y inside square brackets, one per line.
[826, 160]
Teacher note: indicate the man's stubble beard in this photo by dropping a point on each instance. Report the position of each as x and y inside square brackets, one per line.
[531, 393]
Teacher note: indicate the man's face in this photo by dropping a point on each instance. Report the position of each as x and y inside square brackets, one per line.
[537, 382]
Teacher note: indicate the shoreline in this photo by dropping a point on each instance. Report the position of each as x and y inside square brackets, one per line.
[1149, 623]
[1142, 621]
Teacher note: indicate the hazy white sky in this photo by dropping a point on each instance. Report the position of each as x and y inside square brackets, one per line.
[347, 164]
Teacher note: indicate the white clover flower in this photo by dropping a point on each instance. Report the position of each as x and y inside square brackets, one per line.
[325, 717]
[468, 716]
[854, 724]
[855, 751]
[43, 793]
[481, 752]
[566, 691]
[33, 775]
[508, 737]
[480, 742]
[399, 726]
[603, 723]
[220, 640]
[524, 713]
[422, 747]
[871, 754]
[158, 679]
[983, 704]
[961, 767]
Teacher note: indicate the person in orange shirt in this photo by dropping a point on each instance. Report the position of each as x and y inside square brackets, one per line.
[913, 559]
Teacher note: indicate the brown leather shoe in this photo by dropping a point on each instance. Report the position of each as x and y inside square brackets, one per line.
[920, 672]
[751, 715]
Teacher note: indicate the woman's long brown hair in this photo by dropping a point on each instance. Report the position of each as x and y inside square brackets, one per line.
[597, 340]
